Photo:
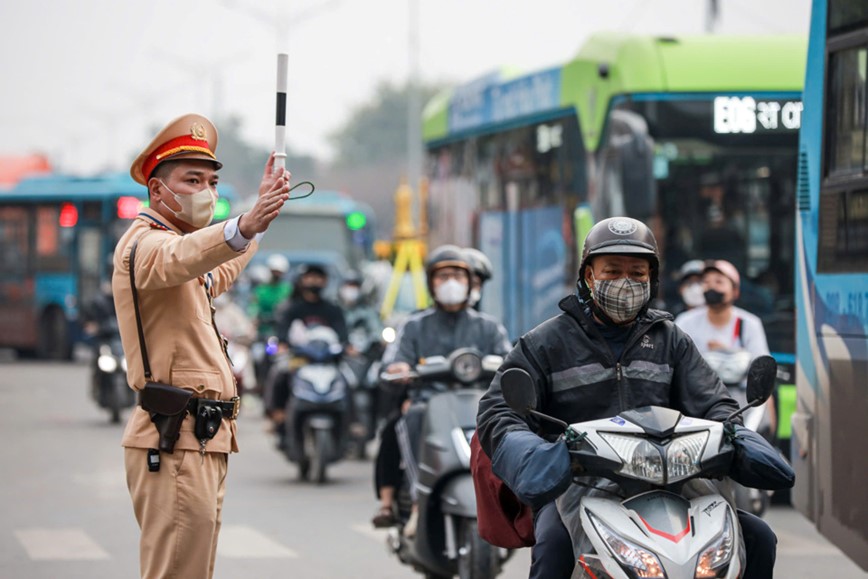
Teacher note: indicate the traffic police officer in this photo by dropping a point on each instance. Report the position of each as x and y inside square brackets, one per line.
[181, 263]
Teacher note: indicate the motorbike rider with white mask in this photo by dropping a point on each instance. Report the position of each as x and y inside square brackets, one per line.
[439, 330]
[606, 353]
[482, 272]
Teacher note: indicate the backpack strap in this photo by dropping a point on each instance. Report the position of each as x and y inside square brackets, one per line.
[737, 331]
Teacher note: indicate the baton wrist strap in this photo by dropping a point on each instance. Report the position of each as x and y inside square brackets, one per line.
[142, 346]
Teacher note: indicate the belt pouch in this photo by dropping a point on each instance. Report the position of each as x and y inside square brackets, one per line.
[167, 406]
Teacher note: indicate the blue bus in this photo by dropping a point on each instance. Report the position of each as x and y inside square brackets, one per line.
[831, 419]
[328, 227]
[56, 233]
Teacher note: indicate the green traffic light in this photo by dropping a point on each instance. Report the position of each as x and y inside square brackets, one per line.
[221, 210]
[356, 220]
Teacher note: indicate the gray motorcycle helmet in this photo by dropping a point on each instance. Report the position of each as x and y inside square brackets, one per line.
[619, 236]
[446, 256]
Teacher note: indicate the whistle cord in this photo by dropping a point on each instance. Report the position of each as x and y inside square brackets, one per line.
[308, 194]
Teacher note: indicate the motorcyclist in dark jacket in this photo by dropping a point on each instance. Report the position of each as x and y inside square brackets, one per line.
[606, 353]
[436, 331]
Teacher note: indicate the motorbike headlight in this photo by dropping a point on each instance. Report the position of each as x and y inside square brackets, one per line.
[641, 562]
[640, 459]
[107, 364]
[389, 334]
[683, 454]
[467, 367]
[714, 560]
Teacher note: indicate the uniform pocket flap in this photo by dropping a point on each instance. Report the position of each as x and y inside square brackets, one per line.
[164, 399]
[198, 381]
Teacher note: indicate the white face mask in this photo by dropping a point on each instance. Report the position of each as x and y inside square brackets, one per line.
[451, 292]
[196, 209]
[693, 295]
[475, 296]
[349, 295]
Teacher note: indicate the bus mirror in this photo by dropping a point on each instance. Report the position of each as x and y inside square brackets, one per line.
[629, 154]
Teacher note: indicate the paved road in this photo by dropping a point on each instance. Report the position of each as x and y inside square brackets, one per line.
[66, 512]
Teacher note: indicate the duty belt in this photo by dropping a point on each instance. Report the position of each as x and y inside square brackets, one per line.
[229, 407]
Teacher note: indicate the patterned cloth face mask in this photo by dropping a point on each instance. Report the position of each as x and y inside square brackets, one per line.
[621, 299]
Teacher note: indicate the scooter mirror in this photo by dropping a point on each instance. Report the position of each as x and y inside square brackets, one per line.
[517, 387]
[761, 380]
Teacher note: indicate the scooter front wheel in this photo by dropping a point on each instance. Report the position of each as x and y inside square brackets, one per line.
[477, 559]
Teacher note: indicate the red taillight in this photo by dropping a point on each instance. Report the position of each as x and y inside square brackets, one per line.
[68, 215]
[128, 207]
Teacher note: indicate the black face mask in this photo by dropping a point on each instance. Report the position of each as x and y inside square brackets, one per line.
[314, 289]
[713, 297]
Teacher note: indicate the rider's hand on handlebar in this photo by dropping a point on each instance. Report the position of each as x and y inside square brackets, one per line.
[400, 368]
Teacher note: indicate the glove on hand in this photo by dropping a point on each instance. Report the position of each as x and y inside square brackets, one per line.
[535, 470]
[757, 464]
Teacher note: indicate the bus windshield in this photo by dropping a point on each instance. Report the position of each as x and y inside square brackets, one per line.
[722, 168]
[323, 232]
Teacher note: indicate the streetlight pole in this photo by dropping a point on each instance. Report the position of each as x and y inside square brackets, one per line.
[414, 107]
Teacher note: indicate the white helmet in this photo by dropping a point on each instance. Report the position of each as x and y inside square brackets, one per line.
[277, 262]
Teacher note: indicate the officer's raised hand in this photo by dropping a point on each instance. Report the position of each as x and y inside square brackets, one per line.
[273, 193]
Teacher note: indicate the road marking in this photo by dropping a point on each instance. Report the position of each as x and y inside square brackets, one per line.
[243, 542]
[59, 545]
[370, 531]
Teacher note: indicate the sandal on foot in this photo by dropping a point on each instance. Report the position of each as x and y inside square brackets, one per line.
[384, 518]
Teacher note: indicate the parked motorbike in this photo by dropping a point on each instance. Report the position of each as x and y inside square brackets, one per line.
[732, 366]
[652, 527]
[318, 408]
[109, 381]
[446, 541]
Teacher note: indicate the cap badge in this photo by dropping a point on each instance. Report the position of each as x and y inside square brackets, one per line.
[197, 130]
[622, 227]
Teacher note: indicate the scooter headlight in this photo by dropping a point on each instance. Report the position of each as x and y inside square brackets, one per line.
[124, 363]
[640, 459]
[107, 364]
[640, 562]
[683, 454]
[714, 560]
[389, 334]
[467, 367]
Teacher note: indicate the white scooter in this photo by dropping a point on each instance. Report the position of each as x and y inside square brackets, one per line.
[651, 452]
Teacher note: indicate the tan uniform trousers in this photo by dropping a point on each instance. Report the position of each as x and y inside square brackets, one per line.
[178, 510]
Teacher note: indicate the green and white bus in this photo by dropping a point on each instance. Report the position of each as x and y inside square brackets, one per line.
[695, 136]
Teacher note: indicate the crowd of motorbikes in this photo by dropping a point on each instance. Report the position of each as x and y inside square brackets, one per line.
[325, 400]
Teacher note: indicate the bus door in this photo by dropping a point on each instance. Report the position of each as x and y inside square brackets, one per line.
[17, 295]
[92, 256]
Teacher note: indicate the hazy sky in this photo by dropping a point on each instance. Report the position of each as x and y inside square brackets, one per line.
[84, 80]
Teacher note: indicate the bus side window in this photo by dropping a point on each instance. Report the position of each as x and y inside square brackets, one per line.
[14, 248]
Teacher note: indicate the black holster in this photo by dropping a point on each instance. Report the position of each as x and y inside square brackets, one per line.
[167, 406]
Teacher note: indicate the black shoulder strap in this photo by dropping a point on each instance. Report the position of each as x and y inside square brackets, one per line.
[142, 346]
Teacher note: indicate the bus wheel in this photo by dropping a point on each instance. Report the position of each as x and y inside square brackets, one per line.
[53, 336]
